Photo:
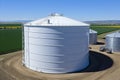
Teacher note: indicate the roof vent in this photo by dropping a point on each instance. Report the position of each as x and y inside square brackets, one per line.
[49, 21]
[56, 14]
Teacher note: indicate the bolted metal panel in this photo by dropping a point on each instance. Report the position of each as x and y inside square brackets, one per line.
[113, 44]
[56, 49]
[92, 37]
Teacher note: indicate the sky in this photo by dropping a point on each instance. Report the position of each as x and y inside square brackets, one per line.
[84, 10]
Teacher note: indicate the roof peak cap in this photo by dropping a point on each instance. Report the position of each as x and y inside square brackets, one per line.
[56, 14]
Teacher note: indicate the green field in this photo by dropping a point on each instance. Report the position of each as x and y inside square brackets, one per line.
[7, 25]
[105, 29]
[10, 40]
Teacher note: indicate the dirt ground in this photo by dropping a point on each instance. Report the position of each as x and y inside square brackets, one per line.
[102, 66]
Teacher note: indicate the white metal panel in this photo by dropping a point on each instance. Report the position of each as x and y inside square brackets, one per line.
[92, 36]
[63, 69]
[114, 34]
[113, 43]
[92, 31]
[56, 20]
[56, 49]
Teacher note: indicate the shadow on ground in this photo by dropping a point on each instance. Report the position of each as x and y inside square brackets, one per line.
[100, 43]
[98, 62]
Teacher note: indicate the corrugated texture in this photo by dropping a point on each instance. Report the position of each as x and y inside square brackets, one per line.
[56, 49]
[113, 42]
[92, 37]
[56, 20]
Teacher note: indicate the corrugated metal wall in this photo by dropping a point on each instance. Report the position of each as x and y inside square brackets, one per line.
[93, 38]
[56, 49]
[113, 43]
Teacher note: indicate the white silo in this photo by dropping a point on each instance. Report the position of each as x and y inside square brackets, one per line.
[56, 44]
[92, 36]
[112, 42]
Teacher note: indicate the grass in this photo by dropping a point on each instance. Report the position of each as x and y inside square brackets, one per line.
[10, 40]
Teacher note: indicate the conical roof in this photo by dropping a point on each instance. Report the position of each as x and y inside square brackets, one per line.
[115, 34]
[56, 20]
[92, 31]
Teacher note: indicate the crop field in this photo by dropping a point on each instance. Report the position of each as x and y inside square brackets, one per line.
[11, 38]
[10, 26]
[105, 29]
